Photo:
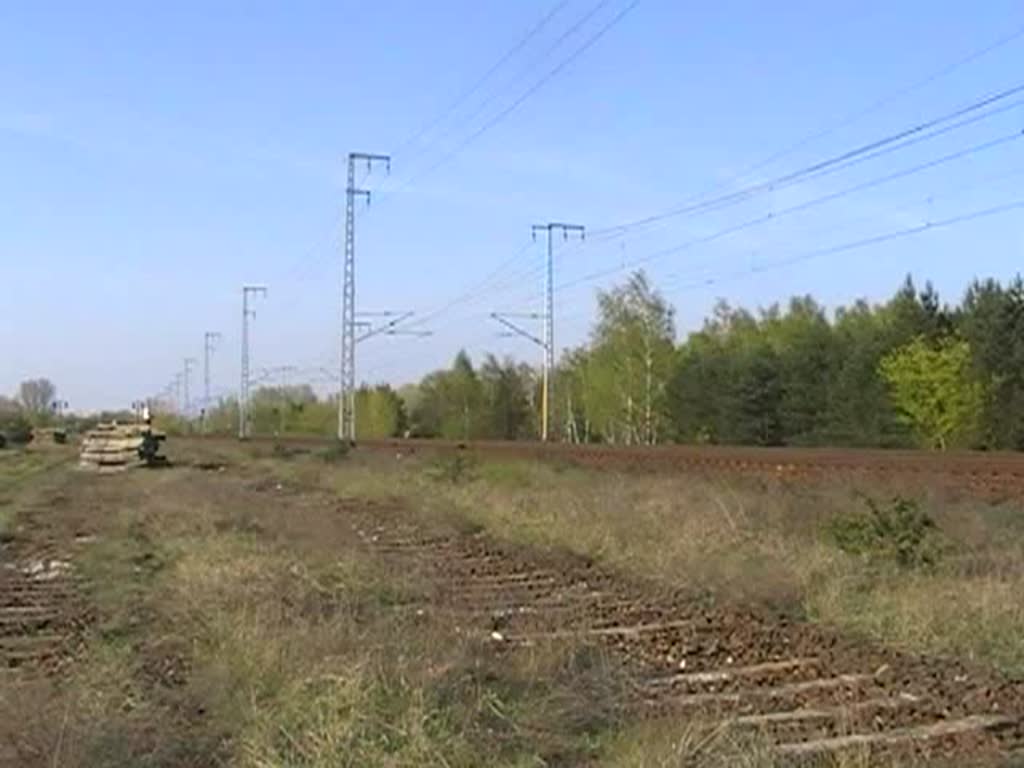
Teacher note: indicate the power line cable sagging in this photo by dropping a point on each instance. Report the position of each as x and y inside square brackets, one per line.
[505, 112]
[943, 124]
[463, 97]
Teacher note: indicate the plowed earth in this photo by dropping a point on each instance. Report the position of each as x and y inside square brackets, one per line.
[995, 475]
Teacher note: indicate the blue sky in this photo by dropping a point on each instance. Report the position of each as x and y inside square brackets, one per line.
[155, 156]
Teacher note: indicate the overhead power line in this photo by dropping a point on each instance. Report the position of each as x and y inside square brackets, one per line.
[870, 149]
[508, 110]
[867, 241]
[799, 207]
[876, 105]
[779, 214]
[482, 107]
[475, 290]
[949, 192]
[469, 92]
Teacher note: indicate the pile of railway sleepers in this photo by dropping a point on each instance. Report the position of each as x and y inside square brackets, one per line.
[112, 447]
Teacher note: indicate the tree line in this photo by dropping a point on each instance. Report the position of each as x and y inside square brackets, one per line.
[34, 405]
[910, 371]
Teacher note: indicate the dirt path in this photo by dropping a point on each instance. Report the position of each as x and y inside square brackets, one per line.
[808, 691]
[42, 605]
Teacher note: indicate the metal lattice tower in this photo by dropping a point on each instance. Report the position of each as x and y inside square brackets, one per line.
[210, 339]
[549, 317]
[186, 371]
[347, 391]
[177, 393]
[243, 391]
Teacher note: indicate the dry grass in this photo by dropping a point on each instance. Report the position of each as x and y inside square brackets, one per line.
[24, 475]
[237, 628]
[239, 624]
[743, 539]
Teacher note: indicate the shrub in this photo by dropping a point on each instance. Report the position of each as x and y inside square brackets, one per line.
[455, 470]
[16, 428]
[284, 451]
[900, 532]
[336, 451]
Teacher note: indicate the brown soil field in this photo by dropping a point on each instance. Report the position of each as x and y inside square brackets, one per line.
[991, 475]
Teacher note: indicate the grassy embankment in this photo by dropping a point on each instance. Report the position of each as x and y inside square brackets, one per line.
[240, 624]
[936, 574]
[243, 627]
[20, 469]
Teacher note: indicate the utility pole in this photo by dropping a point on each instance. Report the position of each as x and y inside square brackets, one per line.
[189, 362]
[243, 391]
[347, 389]
[177, 393]
[210, 339]
[549, 315]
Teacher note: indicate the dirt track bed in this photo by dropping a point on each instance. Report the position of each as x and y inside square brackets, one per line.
[992, 475]
[809, 691]
[41, 610]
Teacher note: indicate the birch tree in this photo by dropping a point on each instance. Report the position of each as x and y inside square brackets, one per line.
[632, 348]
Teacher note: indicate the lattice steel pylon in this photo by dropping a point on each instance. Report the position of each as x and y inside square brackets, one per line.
[209, 340]
[347, 390]
[186, 372]
[549, 317]
[243, 391]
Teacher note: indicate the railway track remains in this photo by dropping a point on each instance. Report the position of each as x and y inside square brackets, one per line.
[806, 690]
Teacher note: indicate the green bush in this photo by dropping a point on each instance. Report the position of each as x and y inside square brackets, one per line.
[284, 451]
[16, 428]
[455, 470]
[900, 532]
[335, 452]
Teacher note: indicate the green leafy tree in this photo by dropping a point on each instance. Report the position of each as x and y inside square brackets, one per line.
[450, 403]
[282, 410]
[14, 424]
[934, 388]
[572, 392]
[804, 350]
[859, 410]
[222, 417]
[757, 398]
[633, 345]
[506, 401]
[991, 320]
[380, 412]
